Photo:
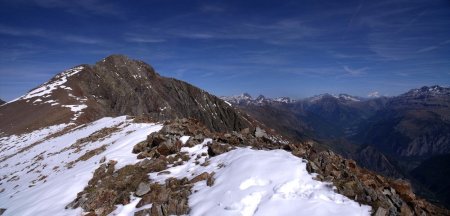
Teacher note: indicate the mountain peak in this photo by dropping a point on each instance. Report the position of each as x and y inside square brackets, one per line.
[261, 98]
[116, 57]
[341, 97]
[116, 85]
[428, 91]
[246, 95]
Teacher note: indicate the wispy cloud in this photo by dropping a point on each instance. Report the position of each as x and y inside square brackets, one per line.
[142, 38]
[82, 39]
[16, 31]
[35, 32]
[427, 49]
[210, 8]
[277, 32]
[79, 7]
[355, 71]
[431, 48]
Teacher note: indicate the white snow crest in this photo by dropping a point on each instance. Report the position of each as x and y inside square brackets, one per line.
[48, 87]
[256, 182]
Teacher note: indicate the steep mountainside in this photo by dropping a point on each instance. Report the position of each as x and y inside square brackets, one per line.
[2, 102]
[414, 124]
[434, 173]
[112, 87]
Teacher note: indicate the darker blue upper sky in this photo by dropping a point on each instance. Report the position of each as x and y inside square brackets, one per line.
[275, 48]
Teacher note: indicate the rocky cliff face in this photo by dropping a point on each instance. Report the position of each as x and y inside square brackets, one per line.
[125, 86]
[2, 102]
[116, 86]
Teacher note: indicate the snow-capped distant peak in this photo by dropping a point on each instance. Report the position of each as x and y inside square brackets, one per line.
[245, 98]
[374, 94]
[283, 99]
[347, 97]
[341, 97]
[237, 98]
[435, 90]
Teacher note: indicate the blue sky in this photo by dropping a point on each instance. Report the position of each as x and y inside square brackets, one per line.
[275, 48]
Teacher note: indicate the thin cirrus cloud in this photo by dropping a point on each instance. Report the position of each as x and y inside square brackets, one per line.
[34, 32]
[97, 7]
[431, 48]
[142, 39]
[283, 31]
[355, 71]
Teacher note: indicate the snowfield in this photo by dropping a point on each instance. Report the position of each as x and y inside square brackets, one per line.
[43, 179]
[256, 182]
[47, 174]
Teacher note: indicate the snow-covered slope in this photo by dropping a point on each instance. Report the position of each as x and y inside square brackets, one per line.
[41, 172]
[257, 182]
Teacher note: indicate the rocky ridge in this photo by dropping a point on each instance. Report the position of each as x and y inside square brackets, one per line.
[110, 187]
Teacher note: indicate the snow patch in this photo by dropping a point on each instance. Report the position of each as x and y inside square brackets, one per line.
[44, 183]
[50, 86]
[129, 209]
[257, 182]
[184, 139]
[76, 109]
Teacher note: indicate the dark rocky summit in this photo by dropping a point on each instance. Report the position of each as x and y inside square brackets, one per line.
[2, 102]
[117, 86]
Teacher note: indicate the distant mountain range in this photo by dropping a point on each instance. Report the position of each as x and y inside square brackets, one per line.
[391, 135]
[246, 99]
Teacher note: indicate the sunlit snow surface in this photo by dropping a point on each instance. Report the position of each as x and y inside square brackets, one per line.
[25, 194]
[257, 182]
